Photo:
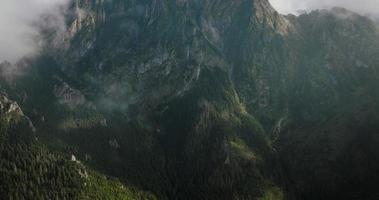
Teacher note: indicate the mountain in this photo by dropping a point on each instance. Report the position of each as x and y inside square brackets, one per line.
[202, 99]
[29, 170]
[332, 135]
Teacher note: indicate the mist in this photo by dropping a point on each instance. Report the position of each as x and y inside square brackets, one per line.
[364, 7]
[20, 23]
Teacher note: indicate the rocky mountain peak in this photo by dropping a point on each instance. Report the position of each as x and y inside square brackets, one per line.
[150, 12]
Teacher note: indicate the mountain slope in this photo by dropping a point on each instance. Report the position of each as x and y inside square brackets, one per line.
[333, 107]
[28, 170]
[212, 99]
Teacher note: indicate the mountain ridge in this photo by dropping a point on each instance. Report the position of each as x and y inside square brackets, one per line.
[211, 99]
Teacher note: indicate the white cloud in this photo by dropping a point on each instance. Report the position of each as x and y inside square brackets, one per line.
[292, 6]
[18, 33]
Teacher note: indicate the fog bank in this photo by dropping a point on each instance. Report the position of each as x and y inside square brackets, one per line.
[19, 22]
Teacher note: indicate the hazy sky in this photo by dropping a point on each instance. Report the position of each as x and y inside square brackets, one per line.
[361, 6]
[18, 36]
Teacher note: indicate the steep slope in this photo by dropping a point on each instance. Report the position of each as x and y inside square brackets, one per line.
[211, 99]
[28, 170]
[158, 49]
[328, 147]
[150, 82]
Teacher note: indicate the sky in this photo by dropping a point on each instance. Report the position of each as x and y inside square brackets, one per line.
[18, 33]
[293, 6]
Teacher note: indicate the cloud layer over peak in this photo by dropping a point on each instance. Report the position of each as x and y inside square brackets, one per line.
[19, 35]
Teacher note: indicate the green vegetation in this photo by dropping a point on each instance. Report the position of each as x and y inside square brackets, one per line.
[273, 193]
[240, 148]
[28, 170]
[98, 187]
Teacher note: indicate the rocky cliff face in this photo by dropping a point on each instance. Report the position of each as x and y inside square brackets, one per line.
[11, 114]
[158, 49]
[212, 99]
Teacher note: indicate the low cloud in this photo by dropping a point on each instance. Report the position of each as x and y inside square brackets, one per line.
[364, 7]
[20, 22]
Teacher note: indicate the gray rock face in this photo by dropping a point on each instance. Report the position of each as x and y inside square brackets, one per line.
[69, 96]
[8, 107]
[157, 49]
[10, 112]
